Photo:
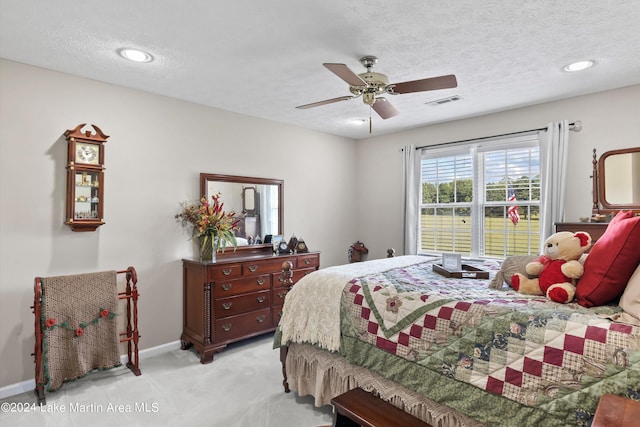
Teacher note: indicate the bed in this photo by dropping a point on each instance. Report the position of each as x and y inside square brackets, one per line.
[453, 351]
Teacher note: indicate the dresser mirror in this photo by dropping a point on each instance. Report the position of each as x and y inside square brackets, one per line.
[258, 203]
[616, 183]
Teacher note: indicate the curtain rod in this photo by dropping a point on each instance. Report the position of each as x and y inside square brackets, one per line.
[574, 126]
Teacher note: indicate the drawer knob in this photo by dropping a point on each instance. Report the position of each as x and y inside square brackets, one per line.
[261, 298]
[260, 281]
[307, 261]
[226, 327]
[227, 305]
[280, 279]
[227, 286]
[227, 271]
[261, 318]
[281, 295]
[253, 268]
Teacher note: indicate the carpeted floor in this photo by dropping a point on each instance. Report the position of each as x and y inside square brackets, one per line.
[242, 387]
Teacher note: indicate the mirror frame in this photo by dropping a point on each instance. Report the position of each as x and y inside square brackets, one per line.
[205, 178]
[249, 198]
[599, 184]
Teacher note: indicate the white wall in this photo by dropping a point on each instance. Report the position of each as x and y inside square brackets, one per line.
[610, 121]
[156, 150]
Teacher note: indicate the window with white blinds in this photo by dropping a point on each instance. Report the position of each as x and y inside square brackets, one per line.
[481, 199]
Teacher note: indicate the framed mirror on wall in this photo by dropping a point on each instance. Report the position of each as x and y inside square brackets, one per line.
[258, 203]
[616, 183]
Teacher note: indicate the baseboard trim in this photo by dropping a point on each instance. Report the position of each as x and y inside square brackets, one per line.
[29, 385]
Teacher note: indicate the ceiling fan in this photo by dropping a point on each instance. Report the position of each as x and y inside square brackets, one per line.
[370, 85]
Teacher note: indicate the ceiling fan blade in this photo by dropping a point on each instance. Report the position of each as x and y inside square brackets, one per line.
[433, 83]
[345, 74]
[384, 108]
[325, 102]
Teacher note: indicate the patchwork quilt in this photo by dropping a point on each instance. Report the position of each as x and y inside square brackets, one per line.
[498, 356]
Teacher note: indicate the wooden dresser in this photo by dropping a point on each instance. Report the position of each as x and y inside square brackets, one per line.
[235, 297]
[595, 229]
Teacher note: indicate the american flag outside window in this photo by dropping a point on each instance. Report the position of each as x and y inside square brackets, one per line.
[514, 216]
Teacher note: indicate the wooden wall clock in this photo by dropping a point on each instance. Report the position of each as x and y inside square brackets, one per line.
[85, 178]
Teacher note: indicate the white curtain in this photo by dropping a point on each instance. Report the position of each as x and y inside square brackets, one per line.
[410, 192]
[553, 165]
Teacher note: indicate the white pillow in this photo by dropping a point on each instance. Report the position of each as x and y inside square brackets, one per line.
[630, 299]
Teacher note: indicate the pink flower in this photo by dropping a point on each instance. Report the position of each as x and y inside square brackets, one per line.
[515, 329]
[50, 322]
[79, 332]
[104, 312]
[465, 362]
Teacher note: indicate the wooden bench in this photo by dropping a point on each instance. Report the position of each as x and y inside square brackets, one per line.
[357, 408]
[616, 411]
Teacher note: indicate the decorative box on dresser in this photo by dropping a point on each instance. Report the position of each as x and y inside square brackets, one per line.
[595, 229]
[235, 297]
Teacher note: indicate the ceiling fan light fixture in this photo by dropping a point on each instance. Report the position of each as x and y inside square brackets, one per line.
[135, 55]
[579, 65]
[371, 84]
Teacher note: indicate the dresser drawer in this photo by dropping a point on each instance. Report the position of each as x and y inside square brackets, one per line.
[224, 307]
[272, 265]
[301, 272]
[277, 296]
[227, 288]
[242, 324]
[276, 315]
[222, 272]
[278, 278]
[307, 261]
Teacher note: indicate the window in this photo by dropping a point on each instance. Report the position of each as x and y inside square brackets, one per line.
[481, 199]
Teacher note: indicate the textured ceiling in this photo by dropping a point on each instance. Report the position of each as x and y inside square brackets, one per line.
[263, 58]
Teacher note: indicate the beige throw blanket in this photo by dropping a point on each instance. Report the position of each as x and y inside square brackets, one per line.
[311, 312]
[79, 326]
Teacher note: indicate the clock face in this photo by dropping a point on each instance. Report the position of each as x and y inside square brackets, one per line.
[87, 153]
[283, 247]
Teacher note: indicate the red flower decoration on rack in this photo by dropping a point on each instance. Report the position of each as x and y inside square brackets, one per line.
[103, 313]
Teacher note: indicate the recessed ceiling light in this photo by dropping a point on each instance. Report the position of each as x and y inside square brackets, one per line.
[135, 55]
[579, 66]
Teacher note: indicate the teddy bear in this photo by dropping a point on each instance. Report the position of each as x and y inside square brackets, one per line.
[556, 269]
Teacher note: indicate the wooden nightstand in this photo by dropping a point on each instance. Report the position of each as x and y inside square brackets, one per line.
[595, 229]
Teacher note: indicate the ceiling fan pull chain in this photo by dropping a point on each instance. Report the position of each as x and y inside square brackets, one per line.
[370, 125]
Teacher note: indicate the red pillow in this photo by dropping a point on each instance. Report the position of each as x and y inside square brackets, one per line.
[611, 262]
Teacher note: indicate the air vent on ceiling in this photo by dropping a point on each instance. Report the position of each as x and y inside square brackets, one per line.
[444, 100]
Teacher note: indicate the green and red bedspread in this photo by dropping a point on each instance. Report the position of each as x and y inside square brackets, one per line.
[496, 355]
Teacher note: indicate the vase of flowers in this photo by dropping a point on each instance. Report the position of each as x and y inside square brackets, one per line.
[211, 224]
